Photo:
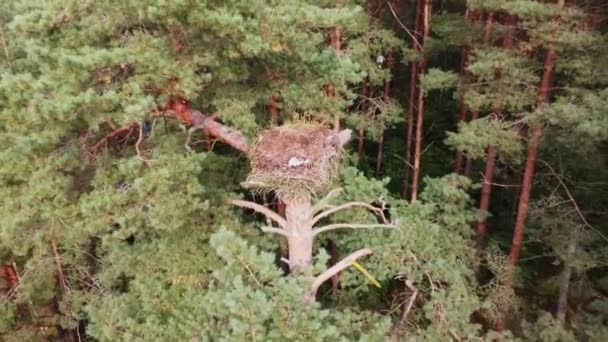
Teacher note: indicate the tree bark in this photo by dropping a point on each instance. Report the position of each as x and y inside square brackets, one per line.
[426, 15]
[411, 106]
[530, 168]
[298, 216]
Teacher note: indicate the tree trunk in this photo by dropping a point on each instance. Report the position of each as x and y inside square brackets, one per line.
[363, 107]
[463, 107]
[486, 190]
[335, 40]
[298, 216]
[426, 15]
[411, 106]
[274, 110]
[524, 198]
[386, 95]
[487, 36]
[564, 281]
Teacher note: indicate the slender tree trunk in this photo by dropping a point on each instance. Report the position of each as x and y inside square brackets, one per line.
[411, 105]
[487, 36]
[486, 190]
[463, 107]
[564, 281]
[426, 16]
[530, 168]
[335, 40]
[274, 110]
[363, 109]
[386, 95]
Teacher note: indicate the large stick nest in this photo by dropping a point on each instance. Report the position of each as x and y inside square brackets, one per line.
[294, 160]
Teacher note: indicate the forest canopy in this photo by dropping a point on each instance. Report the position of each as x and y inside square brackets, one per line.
[402, 170]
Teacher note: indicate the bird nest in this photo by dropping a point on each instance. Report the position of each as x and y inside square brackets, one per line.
[294, 160]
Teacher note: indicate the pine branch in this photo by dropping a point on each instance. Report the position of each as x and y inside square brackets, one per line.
[348, 205]
[335, 269]
[335, 226]
[260, 209]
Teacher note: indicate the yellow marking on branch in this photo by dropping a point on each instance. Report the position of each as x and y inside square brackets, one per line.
[367, 274]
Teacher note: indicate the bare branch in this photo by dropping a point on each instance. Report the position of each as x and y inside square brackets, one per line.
[335, 209]
[418, 46]
[260, 209]
[274, 230]
[410, 303]
[335, 269]
[576, 207]
[351, 226]
[323, 203]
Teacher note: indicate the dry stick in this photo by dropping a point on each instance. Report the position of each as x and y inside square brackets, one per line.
[260, 209]
[335, 269]
[411, 107]
[573, 201]
[526, 190]
[426, 14]
[410, 303]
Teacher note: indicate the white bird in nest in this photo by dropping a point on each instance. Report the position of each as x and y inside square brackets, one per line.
[295, 162]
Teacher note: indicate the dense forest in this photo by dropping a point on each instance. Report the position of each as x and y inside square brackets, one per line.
[307, 170]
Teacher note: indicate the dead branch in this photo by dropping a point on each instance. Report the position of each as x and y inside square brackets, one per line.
[335, 226]
[348, 205]
[274, 230]
[114, 134]
[576, 207]
[60, 274]
[335, 269]
[410, 303]
[260, 209]
[323, 203]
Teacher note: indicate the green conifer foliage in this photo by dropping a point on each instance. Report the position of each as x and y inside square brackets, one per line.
[110, 230]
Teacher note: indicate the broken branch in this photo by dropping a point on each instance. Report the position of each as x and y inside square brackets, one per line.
[260, 209]
[335, 226]
[335, 269]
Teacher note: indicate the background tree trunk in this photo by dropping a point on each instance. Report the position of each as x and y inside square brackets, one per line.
[426, 16]
[409, 137]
